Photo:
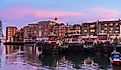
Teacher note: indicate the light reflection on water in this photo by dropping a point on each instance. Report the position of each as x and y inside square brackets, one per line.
[29, 58]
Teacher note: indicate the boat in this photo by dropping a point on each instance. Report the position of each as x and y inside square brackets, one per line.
[115, 58]
[89, 64]
[89, 61]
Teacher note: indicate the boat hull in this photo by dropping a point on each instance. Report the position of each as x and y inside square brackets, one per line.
[115, 62]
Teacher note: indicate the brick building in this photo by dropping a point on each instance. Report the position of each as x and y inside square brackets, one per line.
[10, 32]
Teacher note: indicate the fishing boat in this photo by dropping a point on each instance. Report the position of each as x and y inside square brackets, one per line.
[115, 58]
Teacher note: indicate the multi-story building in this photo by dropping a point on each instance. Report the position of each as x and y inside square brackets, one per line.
[33, 31]
[1, 33]
[59, 30]
[30, 32]
[89, 32]
[44, 28]
[26, 32]
[102, 30]
[89, 28]
[73, 33]
[109, 29]
[77, 29]
[10, 32]
[19, 35]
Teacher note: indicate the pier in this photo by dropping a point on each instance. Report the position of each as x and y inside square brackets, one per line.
[46, 48]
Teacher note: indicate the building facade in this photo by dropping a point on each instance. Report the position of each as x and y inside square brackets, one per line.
[59, 30]
[1, 33]
[73, 33]
[30, 32]
[102, 30]
[89, 28]
[44, 28]
[10, 32]
[19, 35]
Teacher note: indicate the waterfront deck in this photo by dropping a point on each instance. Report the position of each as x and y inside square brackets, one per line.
[46, 48]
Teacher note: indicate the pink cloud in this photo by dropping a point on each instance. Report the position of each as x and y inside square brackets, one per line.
[93, 14]
[105, 13]
[20, 13]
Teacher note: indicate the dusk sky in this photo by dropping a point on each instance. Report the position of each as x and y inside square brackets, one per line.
[22, 12]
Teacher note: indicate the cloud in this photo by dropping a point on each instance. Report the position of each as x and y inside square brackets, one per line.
[105, 13]
[20, 13]
[28, 14]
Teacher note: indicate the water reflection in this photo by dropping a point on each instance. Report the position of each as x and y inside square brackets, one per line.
[16, 57]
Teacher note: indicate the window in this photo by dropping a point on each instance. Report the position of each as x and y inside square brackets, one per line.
[116, 23]
[105, 28]
[85, 30]
[111, 28]
[92, 26]
[117, 27]
[116, 31]
[110, 31]
[105, 24]
[111, 24]
[92, 30]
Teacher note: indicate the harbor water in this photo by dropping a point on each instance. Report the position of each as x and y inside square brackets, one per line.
[17, 57]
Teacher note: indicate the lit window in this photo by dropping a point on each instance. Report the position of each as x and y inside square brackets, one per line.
[92, 25]
[117, 27]
[105, 28]
[85, 30]
[105, 24]
[111, 24]
[111, 28]
[116, 24]
[110, 31]
[92, 30]
[116, 31]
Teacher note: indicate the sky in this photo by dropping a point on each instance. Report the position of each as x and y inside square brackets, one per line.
[22, 12]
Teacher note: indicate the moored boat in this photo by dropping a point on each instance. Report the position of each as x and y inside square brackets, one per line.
[115, 58]
[89, 64]
[89, 61]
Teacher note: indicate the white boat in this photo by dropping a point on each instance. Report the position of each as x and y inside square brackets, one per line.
[89, 61]
[115, 58]
[89, 64]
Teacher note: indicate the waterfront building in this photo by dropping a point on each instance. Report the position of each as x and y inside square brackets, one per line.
[30, 32]
[102, 31]
[89, 32]
[59, 30]
[10, 32]
[38, 31]
[1, 33]
[44, 28]
[99, 31]
[111, 29]
[52, 39]
[73, 34]
[19, 35]
[33, 31]
[89, 28]
[26, 33]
